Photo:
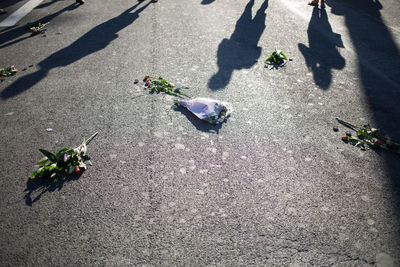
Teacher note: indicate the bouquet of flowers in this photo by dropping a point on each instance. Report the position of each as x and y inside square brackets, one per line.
[37, 27]
[65, 161]
[368, 137]
[277, 57]
[212, 111]
[6, 72]
[162, 85]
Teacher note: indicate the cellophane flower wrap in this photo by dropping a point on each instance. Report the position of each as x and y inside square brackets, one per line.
[210, 110]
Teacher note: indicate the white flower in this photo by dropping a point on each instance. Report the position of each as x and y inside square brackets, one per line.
[66, 157]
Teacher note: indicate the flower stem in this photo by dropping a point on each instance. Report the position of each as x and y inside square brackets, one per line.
[90, 138]
[347, 124]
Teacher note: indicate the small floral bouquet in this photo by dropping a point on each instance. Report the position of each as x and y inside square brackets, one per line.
[162, 85]
[65, 161]
[368, 137]
[277, 57]
[37, 27]
[212, 111]
[6, 72]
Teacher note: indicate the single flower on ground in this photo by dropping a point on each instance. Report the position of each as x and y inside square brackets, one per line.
[36, 27]
[368, 137]
[162, 85]
[277, 57]
[9, 71]
[66, 161]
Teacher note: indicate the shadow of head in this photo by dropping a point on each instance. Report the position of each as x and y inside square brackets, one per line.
[199, 124]
[40, 186]
[206, 2]
[232, 55]
[322, 54]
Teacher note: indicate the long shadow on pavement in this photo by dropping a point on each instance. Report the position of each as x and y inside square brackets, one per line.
[322, 54]
[241, 50]
[23, 30]
[47, 4]
[5, 4]
[379, 71]
[96, 39]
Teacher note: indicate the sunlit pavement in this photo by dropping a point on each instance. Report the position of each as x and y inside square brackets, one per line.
[274, 186]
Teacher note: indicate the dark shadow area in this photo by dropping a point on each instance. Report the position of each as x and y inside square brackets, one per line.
[23, 30]
[40, 186]
[322, 54]
[379, 73]
[206, 2]
[241, 50]
[95, 40]
[7, 28]
[272, 65]
[6, 3]
[47, 4]
[199, 124]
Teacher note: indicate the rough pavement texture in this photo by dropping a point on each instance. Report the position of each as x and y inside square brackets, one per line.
[274, 186]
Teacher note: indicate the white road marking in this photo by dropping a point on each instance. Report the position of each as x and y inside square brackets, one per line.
[20, 13]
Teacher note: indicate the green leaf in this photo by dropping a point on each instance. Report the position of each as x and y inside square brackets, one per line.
[59, 169]
[48, 154]
[43, 161]
[64, 150]
[52, 167]
[40, 172]
[71, 169]
[60, 154]
[53, 175]
[33, 175]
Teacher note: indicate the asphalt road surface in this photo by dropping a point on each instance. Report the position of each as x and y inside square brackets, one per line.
[273, 186]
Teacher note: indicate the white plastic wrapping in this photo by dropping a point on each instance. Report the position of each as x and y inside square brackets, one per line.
[210, 110]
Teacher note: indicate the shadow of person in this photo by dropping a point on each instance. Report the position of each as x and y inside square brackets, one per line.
[240, 50]
[206, 2]
[22, 30]
[96, 39]
[322, 54]
[43, 185]
[378, 61]
[47, 4]
[372, 40]
[6, 4]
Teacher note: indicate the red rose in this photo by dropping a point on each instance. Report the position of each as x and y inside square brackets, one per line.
[78, 170]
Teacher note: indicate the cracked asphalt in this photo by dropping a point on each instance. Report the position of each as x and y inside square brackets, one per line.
[273, 186]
